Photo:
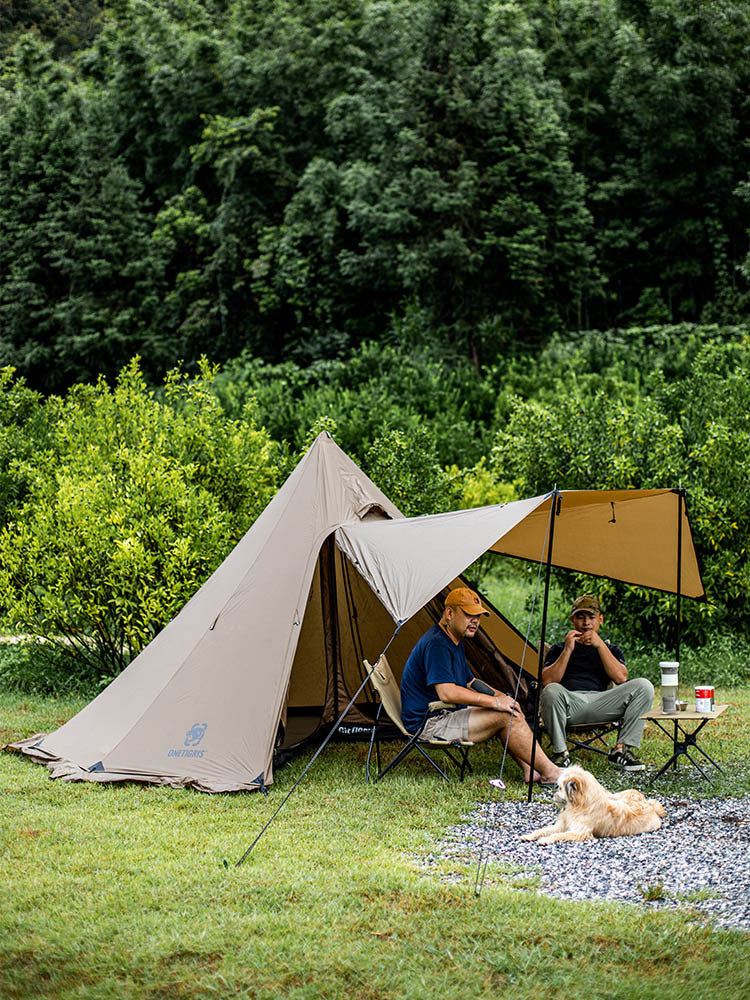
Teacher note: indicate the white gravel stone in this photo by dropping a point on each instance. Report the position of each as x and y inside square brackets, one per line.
[698, 861]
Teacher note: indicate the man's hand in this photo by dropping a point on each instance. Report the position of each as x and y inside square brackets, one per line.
[587, 635]
[504, 703]
[571, 639]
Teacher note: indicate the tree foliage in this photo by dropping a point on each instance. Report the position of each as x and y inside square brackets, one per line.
[377, 389]
[68, 24]
[290, 177]
[594, 433]
[128, 509]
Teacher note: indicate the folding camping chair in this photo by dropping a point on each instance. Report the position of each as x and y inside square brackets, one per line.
[390, 699]
[591, 736]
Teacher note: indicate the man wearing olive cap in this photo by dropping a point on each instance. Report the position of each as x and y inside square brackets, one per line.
[437, 670]
[585, 680]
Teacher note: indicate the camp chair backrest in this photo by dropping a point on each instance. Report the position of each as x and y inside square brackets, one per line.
[390, 694]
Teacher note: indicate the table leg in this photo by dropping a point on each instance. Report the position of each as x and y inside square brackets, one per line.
[697, 766]
[680, 747]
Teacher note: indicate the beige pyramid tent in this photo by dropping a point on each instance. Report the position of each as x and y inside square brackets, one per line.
[331, 573]
[276, 635]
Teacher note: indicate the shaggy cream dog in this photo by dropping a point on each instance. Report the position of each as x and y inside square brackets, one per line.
[589, 811]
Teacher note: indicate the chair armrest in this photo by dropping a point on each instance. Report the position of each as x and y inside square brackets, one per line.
[435, 706]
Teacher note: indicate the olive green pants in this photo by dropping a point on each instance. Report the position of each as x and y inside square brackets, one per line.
[624, 703]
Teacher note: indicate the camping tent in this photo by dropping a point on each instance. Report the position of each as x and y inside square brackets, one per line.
[329, 573]
[276, 636]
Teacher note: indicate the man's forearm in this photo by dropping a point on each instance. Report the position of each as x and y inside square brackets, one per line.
[614, 668]
[555, 672]
[459, 695]
[497, 701]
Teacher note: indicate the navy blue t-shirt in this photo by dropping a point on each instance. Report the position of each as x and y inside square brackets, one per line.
[585, 671]
[435, 659]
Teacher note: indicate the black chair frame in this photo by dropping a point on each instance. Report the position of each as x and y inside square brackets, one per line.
[595, 736]
[456, 752]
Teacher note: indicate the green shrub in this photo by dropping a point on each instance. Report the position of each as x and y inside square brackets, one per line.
[405, 466]
[24, 429]
[480, 487]
[37, 667]
[379, 388]
[131, 506]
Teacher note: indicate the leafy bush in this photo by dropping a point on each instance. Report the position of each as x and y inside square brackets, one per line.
[405, 466]
[380, 387]
[23, 431]
[479, 486]
[132, 505]
[37, 667]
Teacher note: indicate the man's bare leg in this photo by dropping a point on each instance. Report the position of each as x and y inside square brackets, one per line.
[520, 744]
[484, 723]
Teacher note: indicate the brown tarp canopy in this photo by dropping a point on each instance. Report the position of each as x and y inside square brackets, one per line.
[323, 578]
[628, 535]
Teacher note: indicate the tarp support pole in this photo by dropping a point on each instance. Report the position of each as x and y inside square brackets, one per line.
[333, 612]
[680, 506]
[554, 510]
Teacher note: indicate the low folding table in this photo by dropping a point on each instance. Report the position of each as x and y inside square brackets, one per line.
[683, 738]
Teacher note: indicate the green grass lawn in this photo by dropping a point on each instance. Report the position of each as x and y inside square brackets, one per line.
[121, 891]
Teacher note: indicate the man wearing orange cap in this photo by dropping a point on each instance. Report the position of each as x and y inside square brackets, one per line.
[437, 670]
[585, 680]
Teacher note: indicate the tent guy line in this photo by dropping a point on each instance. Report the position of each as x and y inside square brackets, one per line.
[317, 753]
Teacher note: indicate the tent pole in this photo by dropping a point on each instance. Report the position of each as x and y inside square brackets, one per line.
[680, 505]
[332, 610]
[554, 510]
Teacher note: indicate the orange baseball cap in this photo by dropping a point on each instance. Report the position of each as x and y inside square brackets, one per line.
[467, 600]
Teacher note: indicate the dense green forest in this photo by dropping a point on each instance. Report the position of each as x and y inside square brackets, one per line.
[491, 247]
[288, 177]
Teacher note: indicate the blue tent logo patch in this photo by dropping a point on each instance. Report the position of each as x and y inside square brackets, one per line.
[192, 738]
[195, 734]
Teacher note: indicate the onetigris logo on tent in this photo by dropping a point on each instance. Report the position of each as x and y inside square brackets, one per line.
[195, 734]
[192, 738]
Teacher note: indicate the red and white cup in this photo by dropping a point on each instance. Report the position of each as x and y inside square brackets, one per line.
[704, 699]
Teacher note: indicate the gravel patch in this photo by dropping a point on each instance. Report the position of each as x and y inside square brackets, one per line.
[698, 861]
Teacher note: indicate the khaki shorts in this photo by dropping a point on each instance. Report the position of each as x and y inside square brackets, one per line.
[448, 725]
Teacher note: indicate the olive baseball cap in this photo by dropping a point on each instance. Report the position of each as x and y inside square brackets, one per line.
[586, 602]
[467, 600]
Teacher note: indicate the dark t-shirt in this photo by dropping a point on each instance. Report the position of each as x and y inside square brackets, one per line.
[435, 659]
[584, 671]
